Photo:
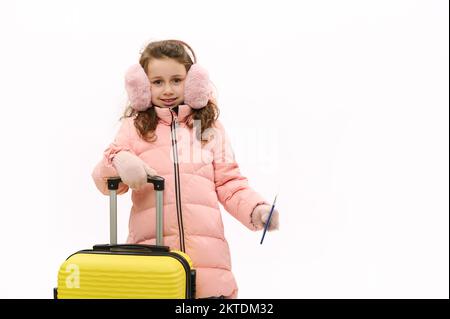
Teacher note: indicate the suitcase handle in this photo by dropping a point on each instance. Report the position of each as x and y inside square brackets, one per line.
[157, 181]
[113, 186]
[132, 247]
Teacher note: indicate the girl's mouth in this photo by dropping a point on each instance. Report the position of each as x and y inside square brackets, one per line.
[169, 101]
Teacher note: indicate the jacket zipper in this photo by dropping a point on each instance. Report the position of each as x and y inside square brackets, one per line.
[173, 131]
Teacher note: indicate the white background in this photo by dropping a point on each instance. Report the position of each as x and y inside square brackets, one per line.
[355, 94]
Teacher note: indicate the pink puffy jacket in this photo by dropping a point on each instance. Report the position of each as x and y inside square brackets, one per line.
[196, 181]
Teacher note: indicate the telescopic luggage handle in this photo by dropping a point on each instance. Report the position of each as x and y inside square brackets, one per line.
[157, 181]
[113, 186]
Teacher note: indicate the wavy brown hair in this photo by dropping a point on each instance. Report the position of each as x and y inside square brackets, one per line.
[146, 121]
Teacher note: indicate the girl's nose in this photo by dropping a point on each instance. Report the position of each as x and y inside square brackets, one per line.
[168, 89]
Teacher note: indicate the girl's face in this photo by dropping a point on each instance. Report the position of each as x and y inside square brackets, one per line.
[167, 77]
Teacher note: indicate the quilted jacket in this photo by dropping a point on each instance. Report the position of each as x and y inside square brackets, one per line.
[198, 178]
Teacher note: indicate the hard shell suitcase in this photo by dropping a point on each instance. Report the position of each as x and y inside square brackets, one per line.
[128, 271]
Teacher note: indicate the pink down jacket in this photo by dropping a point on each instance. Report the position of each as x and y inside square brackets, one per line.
[202, 177]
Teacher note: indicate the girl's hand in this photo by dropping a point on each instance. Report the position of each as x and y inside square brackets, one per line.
[260, 215]
[131, 169]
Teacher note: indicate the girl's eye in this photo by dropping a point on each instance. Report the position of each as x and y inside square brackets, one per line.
[159, 81]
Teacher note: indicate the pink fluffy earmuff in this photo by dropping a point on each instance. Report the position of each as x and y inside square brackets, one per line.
[197, 88]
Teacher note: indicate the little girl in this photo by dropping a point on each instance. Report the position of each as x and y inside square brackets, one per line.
[171, 129]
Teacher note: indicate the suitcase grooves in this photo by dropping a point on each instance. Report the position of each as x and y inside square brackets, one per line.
[189, 288]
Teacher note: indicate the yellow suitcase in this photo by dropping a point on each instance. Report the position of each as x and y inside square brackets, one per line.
[128, 271]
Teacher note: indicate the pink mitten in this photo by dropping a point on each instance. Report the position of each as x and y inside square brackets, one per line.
[260, 215]
[131, 169]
